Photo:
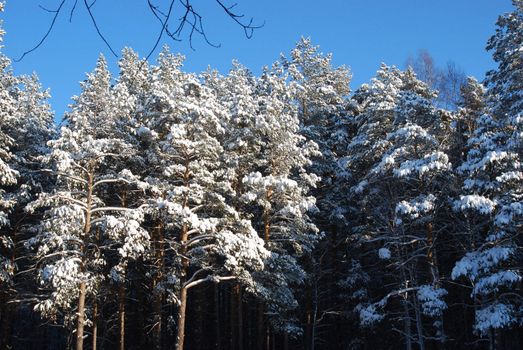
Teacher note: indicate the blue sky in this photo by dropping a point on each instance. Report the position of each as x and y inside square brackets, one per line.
[360, 33]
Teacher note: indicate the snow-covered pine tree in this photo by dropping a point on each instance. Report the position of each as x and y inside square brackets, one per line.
[205, 238]
[242, 143]
[25, 123]
[470, 109]
[400, 193]
[320, 93]
[505, 83]
[80, 223]
[492, 191]
[491, 176]
[279, 189]
[9, 177]
[9, 91]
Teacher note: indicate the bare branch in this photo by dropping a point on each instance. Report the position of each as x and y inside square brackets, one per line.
[73, 200]
[197, 239]
[97, 183]
[190, 17]
[111, 209]
[155, 11]
[88, 8]
[47, 10]
[164, 26]
[72, 11]
[211, 278]
[193, 277]
[59, 173]
[51, 26]
[248, 28]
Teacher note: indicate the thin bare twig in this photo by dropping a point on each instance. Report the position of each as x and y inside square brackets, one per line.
[88, 8]
[190, 17]
[156, 11]
[247, 28]
[164, 25]
[56, 13]
[72, 11]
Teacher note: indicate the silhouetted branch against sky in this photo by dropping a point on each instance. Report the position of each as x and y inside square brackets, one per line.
[191, 22]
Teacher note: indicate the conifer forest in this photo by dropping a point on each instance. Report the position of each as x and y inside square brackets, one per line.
[283, 210]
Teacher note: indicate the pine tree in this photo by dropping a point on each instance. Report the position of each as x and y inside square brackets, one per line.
[205, 238]
[280, 190]
[400, 194]
[491, 198]
[79, 221]
[25, 123]
[320, 92]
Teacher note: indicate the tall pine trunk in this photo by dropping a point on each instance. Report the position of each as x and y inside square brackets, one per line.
[158, 300]
[81, 317]
[261, 328]
[95, 324]
[434, 273]
[240, 316]
[233, 319]
[83, 284]
[407, 331]
[121, 316]
[217, 328]
[181, 319]
[184, 236]
[121, 295]
[6, 321]
[180, 338]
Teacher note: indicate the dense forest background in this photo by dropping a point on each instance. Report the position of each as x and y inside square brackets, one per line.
[280, 211]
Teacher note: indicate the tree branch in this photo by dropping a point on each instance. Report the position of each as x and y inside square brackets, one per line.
[51, 26]
[88, 8]
[190, 17]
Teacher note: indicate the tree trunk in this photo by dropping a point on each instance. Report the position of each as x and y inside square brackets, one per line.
[6, 321]
[183, 291]
[431, 256]
[81, 317]
[419, 325]
[95, 324]
[406, 327]
[140, 317]
[434, 273]
[83, 284]
[261, 327]
[158, 299]
[417, 313]
[240, 316]
[232, 320]
[268, 336]
[181, 319]
[406, 314]
[217, 330]
[198, 306]
[121, 315]
[492, 342]
[184, 236]
[266, 218]
[121, 294]
[261, 311]
[308, 323]
[314, 314]
[250, 321]
[95, 306]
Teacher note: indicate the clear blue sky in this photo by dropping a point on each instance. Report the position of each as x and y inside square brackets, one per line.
[360, 33]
